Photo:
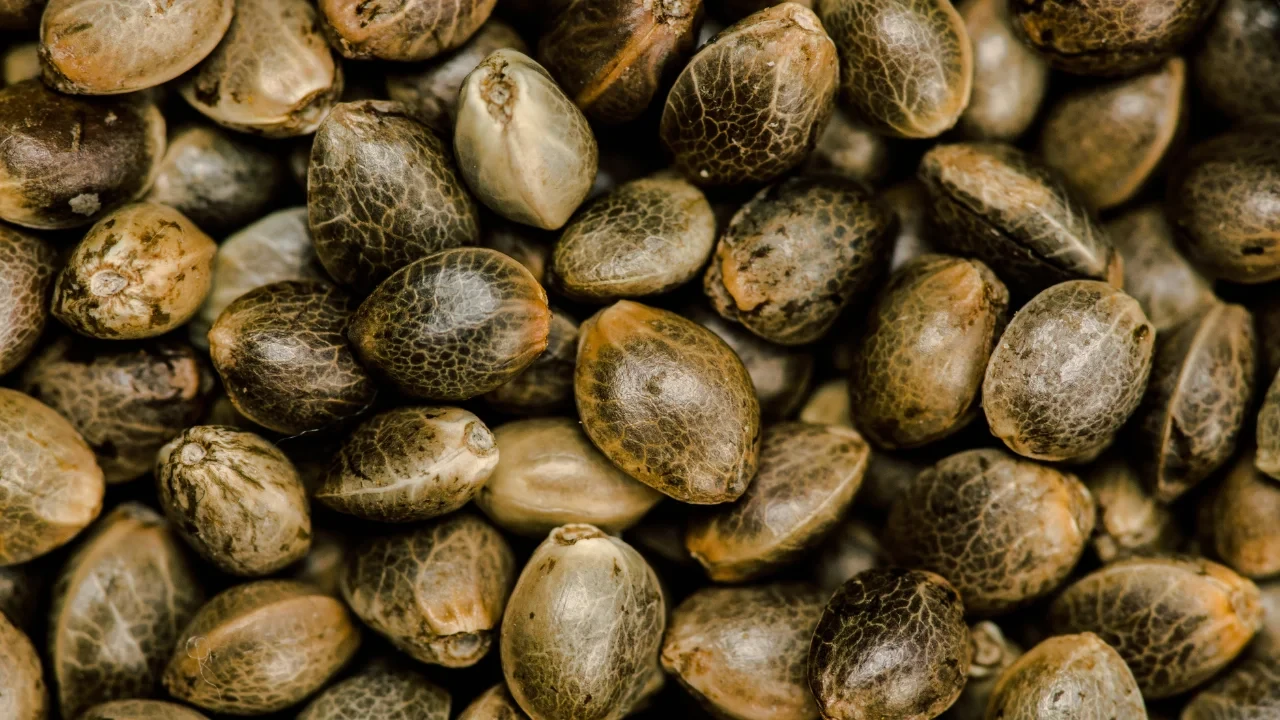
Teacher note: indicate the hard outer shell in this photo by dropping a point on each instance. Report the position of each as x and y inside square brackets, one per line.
[401, 29]
[918, 369]
[547, 384]
[1195, 618]
[734, 10]
[1004, 531]
[410, 464]
[430, 91]
[1249, 692]
[273, 74]
[795, 256]
[526, 245]
[1268, 432]
[381, 692]
[583, 628]
[753, 101]
[67, 161]
[852, 548]
[382, 191]
[997, 203]
[760, 679]
[549, 474]
[235, 498]
[1068, 371]
[1107, 140]
[890, 643]
[1168, 288]
[1219, 199]
[612, 56]
[1069, 677]
[696, 437]
[646, 237]
[141, 710]
[780, 374]
[1246, 534]
[1131, 522]
[453, 325]
[1200, 391]
[807, 478]
[1108, 37]
[494, 704]
[1009, 78]
[1237, 63]
[261, 647]
[53, 486]
[317, 384]
[139, 272]
[27, 267]
[523, 147]
[24, 695]
[93, 48]
[436, 592]
[117, 609]
[992, 655]
[914, 88]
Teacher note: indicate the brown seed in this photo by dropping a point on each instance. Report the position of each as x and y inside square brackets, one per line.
[1045, 398]
[850, 150]
[381, 691]
[53, 485]
[1071, 676]
[1267, 642]
[406, 31]
[453, 325]
[1251, 690]
[890, 643]
[696, 437]
[494, 704]
[117, 609]
[521, 243]
[1245, 508]
[235, 498]
[1193, 617]
[760, 679]
[436, 592]
[780, 374]
[807, 478]
[141, 710]
[1009, 78]
[909, 202]
[1268, 432]
[992, 655]
[906, 66]
[229, 658]
[919, 366]
[752, 103]
[852, 548]
[1237, 63]
[25, 696]
[546, 386]
[1130, 520]
[27, 267]
[21, 588]
[1168, 287]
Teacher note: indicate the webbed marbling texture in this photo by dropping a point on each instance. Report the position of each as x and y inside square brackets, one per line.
[546, 385]
[1249, 692]
[23, 695]
[403, 30]
[1236, 65]
[141, 710]
[1268, 431]
[381, 692]
[1068, 677]
[780, 374]
[495, 703]
[27, 268]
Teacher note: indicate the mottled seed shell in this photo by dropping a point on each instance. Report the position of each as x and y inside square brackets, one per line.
[261, 647]
[381, 692]
[405, 30]
[696, 436]
[436, 592]
[1131, 521]
[1004, 531]
[1193, 617]
[523, 147]
[581, 634]
[126, 401]
[318, 383]
[1219, 203]
[1246, 534]
[27, 267]
[807, 478]
[761, 679]
[1070, 677]
[1237, 63]
[382, 191]
[1001, 205]
[546, 386]
[1107, 140]
[23, 695]
[526, 245]
[1047, 397]
[992, 655]
[612, 56]
[52, 487]
[890, 643]
[91, 48]
[1168, 288]
[235, 498]
[1249, 692]
[1268, 432]
[69, 160]
[117, 609]
[273, 74]
[410, 464]
[494, 704]
[918, 368]
[549, 474]
[453, 325]
[1009, 78]
[906, 66]
[1108, 37]
[780, 374]
[795, 256]
[754, 100]
[646, 237]
[848, 149]
[1199, 394]
[141, 710]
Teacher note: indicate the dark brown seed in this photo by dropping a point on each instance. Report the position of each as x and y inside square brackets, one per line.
[909, 201]
[850, 150]
[1237, 64]
[494, 704]
[1175, 621]
[453, 325]
[21, 588]
[1131, 522]
[27, 267]
[780, 374]
[753, 102]
[1070, 677]
[992, 655]
[1168, 288]
[890, 643]
[1001, 205]
[25, 696]
[696, 436]
[1009, 78]
[1246, 534]
[408, 30]
[521, 243]
[384, 692]
[1268, 432]
[141, 710]
[1250, 691]
[546, 386]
